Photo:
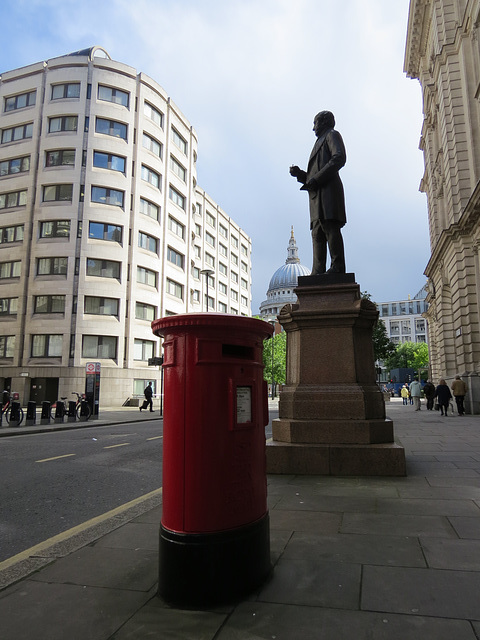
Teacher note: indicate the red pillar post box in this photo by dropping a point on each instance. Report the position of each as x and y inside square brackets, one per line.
[214, 536]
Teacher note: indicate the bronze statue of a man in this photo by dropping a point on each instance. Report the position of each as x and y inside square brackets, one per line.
[325, 191]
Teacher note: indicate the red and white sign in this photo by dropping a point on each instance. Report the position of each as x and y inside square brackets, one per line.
[92, 367]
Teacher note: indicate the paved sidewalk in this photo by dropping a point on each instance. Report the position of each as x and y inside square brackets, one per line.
[363, 558]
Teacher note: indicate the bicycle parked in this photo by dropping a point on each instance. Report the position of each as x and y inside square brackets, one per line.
[82, 408]
[7, 400]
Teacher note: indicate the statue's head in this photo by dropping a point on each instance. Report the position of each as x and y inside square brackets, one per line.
[322, 121]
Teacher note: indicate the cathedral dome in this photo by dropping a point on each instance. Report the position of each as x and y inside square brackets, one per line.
[283, 282]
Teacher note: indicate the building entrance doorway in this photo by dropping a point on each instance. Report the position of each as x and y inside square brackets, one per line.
[44, 389]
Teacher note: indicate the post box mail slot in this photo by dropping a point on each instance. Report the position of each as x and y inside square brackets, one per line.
[214, 474]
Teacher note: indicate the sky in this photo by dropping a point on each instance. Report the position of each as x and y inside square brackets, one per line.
[250, 75]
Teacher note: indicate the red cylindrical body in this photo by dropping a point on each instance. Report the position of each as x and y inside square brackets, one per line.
[214, 535]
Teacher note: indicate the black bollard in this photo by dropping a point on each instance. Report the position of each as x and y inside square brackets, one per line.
[59, 411]
[45, 416]
[72, 408]
[31, 418]
[15, 414]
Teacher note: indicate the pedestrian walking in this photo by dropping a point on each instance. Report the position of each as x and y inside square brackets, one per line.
[404, 394]
[415, 393]
[443, 395]
[148, 393]
[459, 389]
[429, 393]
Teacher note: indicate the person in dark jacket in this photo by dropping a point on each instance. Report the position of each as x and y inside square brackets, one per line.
[429, 393]
[443, 395]
[148, 393]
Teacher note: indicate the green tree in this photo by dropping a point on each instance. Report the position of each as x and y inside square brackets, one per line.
[409, 355]
[279, 358]
[383, 347]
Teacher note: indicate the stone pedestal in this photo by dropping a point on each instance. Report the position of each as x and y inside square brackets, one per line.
[332, 412]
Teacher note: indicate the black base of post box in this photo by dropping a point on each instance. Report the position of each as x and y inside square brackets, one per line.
[213, 568]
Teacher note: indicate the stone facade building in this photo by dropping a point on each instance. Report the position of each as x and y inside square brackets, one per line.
[443, 53]
[103, 227]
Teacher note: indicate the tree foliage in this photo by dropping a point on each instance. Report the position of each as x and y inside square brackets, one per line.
[409, 355]
[279, 358]
[383, 347]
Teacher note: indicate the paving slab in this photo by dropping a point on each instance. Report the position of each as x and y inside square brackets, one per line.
[398, 525]
[458, 555]
[133, 535]
[317, 522]
[424, 592]
[466, 527]
[36, 610]
[260, 620]
[104, 567]
[428, 507]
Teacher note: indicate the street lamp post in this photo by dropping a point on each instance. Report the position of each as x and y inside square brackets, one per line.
[207, 273]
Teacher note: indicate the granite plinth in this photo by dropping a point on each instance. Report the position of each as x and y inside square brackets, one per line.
[331, 411]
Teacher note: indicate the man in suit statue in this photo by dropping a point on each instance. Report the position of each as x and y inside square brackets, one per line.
[325, 191]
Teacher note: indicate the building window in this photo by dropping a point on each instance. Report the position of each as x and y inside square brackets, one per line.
[7, 346]
[103, 268]
[222, 287]
[55, 229]
[198, 230]
[210, 260]
[20, 132]
[234, 242]
[180, 142]
[406, 327]
[108, 161]
[103, 195]
[176, 258]
[177, 169]
[60, 158]
[49, 304]
[223, 230]
[143, 349]
[145, 311]
[152, 145]
[58, 193]
[8, 306]
[174, 289]
[420, 325]
[99, 347]
[11, 234]
[209, 239]
[10, 269]
[20, 101]
[196, 295]
[15, 165]
[234, 295]
[222, 307]
[234, 259]
[111, 128]
[394, 328]
[66, 90]
[234, 276]
[149, 209]
[62, 123]
[100, 306]
[244, 266]
[177, 198]
[210, 219]
[105, 231]
[176, 227]
[244, 301]
[222, 268]
[222, 249]
[151, 176]
[197, 251]
[196, 273]
[244, 250]
[110, 94]
[153, 114]
[146, 276]
[147, 242]
[210, 302]
[47, 346]
[52, 266]
[244, 284]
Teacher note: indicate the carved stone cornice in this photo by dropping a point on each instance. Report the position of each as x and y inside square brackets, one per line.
[419, 22]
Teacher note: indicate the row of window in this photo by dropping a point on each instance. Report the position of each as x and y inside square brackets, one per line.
[51, 346]
[93, 305]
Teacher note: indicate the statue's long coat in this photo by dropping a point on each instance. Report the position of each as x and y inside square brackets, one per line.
[327, 158]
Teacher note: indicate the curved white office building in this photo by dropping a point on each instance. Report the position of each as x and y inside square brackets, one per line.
[102, 227]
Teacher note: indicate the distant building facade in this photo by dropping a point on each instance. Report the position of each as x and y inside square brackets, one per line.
[442, 52]
[403, 319]
[283, 282]
[103, 227]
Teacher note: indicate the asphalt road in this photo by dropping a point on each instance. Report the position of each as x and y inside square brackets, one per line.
[50, 482]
